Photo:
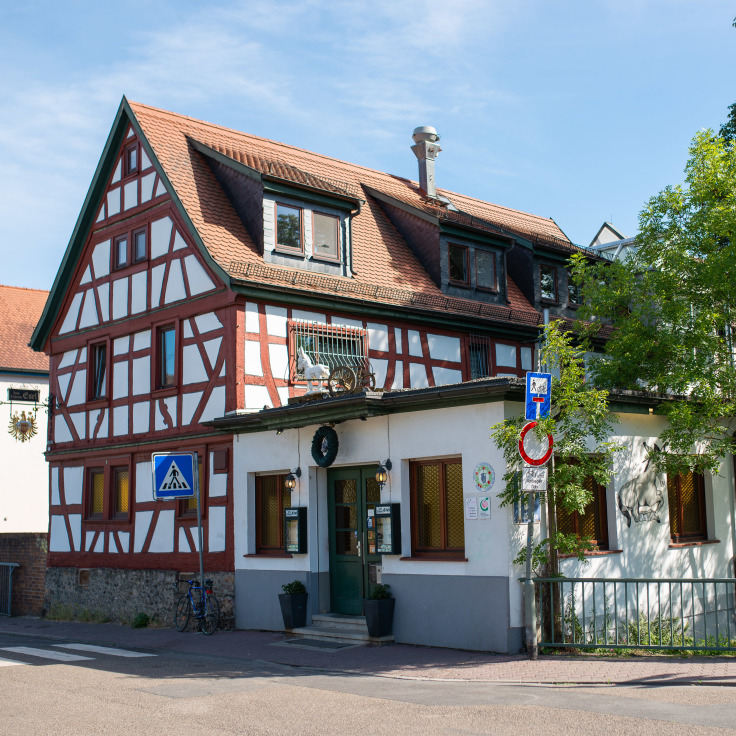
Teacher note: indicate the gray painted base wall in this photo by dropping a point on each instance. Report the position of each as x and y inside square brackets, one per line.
[257, 597]
[458, 611]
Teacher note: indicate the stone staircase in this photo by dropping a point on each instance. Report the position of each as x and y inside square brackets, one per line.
[338, 628]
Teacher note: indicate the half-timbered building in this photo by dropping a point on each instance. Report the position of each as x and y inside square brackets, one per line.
[208, 270]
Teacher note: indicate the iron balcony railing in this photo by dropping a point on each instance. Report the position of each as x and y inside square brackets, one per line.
[6, 586]
[637, 613]
[330, 345]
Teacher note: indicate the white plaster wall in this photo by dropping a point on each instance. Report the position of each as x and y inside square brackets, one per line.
[416, 435]
[24, 492]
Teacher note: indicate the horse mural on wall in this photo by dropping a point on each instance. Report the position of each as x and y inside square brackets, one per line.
[639, 498]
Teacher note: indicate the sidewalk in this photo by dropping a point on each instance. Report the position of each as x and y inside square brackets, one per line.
[398, 660]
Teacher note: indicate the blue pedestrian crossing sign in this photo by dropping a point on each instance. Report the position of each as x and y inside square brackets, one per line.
[538, 395]
[174, 475]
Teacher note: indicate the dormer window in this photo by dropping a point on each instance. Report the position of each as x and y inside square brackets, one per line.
[326, 236]
[548, 283]
[289, 228]
[485, 270]
[573, 291]
[459, 272]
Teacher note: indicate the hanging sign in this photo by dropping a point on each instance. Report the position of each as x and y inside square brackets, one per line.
[174, 475]
[538, 395]
[532, 450]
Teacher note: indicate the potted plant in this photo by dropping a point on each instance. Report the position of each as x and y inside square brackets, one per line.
[379, 611]
[294, 604]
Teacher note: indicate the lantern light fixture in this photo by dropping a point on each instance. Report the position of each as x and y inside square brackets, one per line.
[382, 472]
[290, 482]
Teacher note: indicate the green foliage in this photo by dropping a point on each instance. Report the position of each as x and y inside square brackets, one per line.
[296, 587]
[669, 309]
[141, 621]
[381, 592]
[580, 423]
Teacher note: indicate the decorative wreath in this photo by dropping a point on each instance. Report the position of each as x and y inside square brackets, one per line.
[325, 446]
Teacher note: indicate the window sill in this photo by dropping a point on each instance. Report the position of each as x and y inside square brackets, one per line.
[594, 553]
[325, 259]
[459, 284]
[436, 558]
[550, 302]
[694, 543]
[288, 251]
[92, 522]
[277, 555]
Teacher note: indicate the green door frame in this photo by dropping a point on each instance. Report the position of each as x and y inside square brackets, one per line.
[352, 493]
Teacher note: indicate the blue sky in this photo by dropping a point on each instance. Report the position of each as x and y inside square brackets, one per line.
[577, 110]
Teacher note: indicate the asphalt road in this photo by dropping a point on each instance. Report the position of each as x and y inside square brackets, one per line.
[108, 691]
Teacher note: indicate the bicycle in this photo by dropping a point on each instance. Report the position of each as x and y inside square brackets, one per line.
[206, 610]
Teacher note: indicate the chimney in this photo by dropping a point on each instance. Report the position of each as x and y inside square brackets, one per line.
[426, 150]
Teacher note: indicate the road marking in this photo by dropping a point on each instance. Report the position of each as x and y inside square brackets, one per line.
[9, 662]
[45, 654]
[104, 650]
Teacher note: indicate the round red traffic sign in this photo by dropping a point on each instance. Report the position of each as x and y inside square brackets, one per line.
[525, 456]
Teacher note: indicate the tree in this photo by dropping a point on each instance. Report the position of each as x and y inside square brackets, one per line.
[728, 129]
[670, 310]
[581, 423]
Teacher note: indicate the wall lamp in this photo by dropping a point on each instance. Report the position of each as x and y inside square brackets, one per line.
[290, 482]
[279, 431]
[382, 472]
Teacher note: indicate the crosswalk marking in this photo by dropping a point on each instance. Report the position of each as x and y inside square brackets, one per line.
[113, 651]
[8, 662]
[45, 653]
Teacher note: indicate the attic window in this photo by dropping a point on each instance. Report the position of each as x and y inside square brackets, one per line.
[325, 232]
[485, 270]
[289, 227]
[548, 283]
[131, 159]
[458, 256]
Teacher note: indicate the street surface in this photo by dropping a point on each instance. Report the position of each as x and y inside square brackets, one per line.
[55, 686]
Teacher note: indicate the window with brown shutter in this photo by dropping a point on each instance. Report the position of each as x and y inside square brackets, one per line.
[686, 496]
[592, 522]
[271, 500]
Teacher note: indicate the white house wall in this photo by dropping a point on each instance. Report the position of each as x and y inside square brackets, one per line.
[24, 498]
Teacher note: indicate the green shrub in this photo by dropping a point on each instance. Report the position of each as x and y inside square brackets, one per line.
[294, 588]
[381, 592]
[141, 621]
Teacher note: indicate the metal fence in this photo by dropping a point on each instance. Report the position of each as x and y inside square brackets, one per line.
[6, 586]
[637, 613]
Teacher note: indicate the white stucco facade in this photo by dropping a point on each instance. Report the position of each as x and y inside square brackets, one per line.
[24, 491]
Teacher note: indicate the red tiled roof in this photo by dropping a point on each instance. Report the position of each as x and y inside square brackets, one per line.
[383, 262]
[20, 309]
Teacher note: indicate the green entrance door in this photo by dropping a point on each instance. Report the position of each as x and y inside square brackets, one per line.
[352, 495]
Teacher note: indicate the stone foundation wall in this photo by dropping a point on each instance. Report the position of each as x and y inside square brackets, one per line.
[28, 550]
[121, 595]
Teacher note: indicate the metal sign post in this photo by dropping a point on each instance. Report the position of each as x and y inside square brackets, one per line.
[534, 453]
[176, 475]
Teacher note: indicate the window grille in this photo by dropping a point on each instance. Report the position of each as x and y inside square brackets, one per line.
[330, 345]
[480, 352]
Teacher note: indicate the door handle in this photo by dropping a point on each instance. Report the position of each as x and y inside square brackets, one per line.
[360, 551]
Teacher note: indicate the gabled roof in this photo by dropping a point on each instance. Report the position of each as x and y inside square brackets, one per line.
[385, 270]
[20, 309]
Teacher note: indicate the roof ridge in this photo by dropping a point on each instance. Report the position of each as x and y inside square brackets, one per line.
[348, 164]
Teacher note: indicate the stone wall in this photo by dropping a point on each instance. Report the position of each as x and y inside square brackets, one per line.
[121, 595]
[28, 550]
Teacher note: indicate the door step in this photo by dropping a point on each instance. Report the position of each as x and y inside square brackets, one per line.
[339, 628]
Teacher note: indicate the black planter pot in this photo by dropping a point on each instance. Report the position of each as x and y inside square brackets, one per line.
[379, 616]
[293, 609]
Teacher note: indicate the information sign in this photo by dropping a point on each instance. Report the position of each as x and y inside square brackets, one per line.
[174, 475]
[538, 395]
[534, 480]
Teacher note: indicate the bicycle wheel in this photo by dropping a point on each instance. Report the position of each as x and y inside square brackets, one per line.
[183, 611]
[211, 618]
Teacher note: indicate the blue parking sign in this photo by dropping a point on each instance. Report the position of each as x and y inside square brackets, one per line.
[174, 475]
[538, 395]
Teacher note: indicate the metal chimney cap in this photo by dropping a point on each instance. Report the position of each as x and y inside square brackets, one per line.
[425, 133]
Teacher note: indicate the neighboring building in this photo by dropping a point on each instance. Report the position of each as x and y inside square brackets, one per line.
[24, 492]
[207, 269]
[611, 244]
